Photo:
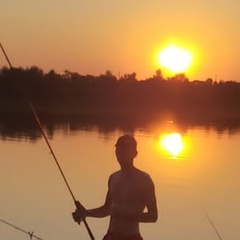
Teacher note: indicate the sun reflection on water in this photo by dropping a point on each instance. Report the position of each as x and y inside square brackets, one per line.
[172, 143]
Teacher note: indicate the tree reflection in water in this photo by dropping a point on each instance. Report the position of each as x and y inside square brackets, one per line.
[21, 125]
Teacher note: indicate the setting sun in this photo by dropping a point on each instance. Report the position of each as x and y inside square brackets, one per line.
[175, 59]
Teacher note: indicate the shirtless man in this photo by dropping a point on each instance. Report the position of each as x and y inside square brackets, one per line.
[130, 192]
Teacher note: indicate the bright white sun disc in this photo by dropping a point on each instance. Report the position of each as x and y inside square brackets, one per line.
[175, 59]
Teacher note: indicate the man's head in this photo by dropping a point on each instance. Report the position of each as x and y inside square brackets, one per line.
[126, 150]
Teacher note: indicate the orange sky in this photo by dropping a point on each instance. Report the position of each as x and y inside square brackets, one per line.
[91, 37]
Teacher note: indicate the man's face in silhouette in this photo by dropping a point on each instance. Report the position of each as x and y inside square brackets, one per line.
[126, 150]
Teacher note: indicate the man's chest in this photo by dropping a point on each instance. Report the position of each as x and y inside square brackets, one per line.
[126, 190]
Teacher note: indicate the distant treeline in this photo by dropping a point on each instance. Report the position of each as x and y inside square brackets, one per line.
[107, 93]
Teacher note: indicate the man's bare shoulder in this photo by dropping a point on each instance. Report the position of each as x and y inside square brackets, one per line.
[136, 174]
[142, 173]
[114, 175]
[142, 176]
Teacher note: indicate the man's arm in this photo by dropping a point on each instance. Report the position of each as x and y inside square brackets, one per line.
[102, 211]
[151, 204]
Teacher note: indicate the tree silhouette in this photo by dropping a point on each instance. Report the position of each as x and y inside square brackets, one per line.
[106, 93]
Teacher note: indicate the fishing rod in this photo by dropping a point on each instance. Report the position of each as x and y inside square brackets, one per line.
[76, 202]
[214, 227]
[6, 56]
[31, 235]
[39, 124]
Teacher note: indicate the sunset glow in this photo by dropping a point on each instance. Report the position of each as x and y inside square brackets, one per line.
[175, 59]
[92, 37]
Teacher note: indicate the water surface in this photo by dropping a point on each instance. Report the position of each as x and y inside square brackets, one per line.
[202, 178]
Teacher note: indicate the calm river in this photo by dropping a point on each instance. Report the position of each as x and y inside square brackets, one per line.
[195, 167]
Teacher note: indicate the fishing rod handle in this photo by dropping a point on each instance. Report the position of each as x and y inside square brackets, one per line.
[82, 209]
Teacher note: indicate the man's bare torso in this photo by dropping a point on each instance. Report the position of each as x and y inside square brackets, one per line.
[128, 194]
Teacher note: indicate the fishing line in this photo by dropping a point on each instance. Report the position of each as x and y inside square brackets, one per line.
[211, 222]
[39, 124]
[30, 234]
[214, 227]
[203, 210]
